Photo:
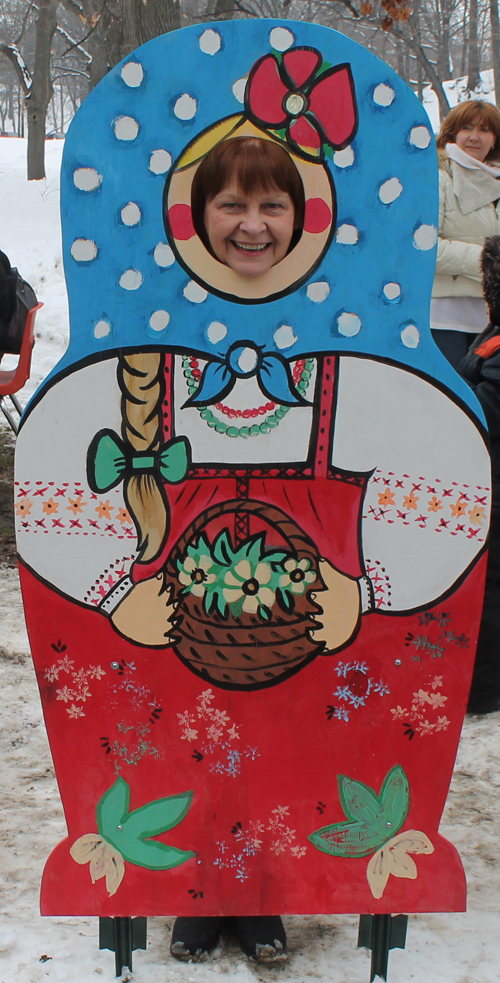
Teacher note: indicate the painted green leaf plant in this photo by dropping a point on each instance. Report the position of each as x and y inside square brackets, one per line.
[123, 835]
[372, 827]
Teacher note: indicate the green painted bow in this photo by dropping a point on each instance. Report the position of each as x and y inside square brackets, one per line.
[109, 461]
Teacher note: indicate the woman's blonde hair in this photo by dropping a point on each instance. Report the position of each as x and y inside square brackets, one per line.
[141, 378]
[472, 111]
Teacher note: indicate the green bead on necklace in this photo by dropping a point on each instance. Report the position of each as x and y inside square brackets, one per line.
[254, 430]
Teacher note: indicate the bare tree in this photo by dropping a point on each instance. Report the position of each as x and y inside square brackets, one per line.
[474, 76]
[40, 93]
[36, 85]
[143, 21]
[495, 47]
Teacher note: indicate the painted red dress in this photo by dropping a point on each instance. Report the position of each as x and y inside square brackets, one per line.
[216, 773]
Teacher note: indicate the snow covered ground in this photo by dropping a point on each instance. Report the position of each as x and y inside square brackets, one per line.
[464, 948]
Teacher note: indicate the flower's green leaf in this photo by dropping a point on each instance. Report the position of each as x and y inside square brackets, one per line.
[285, 600]
[129, 832]
[222, 550]
[221, 604]
[253, 548]
[237, 607]
[203, 546]
[209, 602]
[342, 840]
[277, 558]
[373, 819]
[113, 807]
[155, 855]
[156, 817]
[395, 797]
[328, 151]
[358, 800]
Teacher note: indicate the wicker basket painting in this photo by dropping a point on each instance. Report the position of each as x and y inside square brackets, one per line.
[244, 616]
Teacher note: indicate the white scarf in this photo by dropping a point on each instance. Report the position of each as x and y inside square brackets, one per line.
[460, 157]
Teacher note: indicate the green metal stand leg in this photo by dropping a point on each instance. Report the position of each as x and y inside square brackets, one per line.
[122, 936]
[381, 933]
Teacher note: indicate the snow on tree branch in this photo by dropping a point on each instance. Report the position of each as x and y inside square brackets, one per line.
[73, 44]
[11, 51]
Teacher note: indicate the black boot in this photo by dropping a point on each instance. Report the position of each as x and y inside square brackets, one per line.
[195, 938]
[262, 937]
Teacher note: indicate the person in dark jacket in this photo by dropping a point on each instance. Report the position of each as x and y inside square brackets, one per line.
[7, 293]
[481, 369]
[16, 299]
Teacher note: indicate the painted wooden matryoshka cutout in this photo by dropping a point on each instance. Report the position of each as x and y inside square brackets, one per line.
[252, 512]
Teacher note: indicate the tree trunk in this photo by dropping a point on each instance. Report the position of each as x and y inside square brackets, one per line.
[222, 10]
[465, 42]
[412, 39]
[420, 82]
[474, 77]
[495, 47]
[443, 47]
[41, 89]
[146, 20]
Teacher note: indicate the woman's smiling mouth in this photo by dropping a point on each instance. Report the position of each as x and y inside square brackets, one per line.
[248, 247]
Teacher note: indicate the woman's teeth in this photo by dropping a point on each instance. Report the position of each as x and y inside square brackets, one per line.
[250, 247]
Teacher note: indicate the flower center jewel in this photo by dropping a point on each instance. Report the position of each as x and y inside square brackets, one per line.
[295, 104]
[250, 586]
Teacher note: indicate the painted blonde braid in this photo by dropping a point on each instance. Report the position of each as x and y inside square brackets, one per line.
[142, 382]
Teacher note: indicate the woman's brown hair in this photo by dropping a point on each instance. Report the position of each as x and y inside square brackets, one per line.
[470, 112]
[255, 165]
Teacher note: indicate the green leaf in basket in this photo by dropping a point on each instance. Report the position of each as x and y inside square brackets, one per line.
[130, 832]
[285, 600]
[372, 819]
[222, 550]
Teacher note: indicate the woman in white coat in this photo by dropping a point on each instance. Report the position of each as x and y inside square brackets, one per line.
[469, 210]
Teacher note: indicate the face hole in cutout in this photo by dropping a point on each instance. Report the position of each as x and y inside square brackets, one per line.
[247, 204]
[310, 187]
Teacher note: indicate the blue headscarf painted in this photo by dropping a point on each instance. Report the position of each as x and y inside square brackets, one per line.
[370, 293]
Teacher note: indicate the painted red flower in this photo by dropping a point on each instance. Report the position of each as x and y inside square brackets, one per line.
[313, 107]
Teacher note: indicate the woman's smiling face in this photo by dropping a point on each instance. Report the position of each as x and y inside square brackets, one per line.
[476, 139]
[250, 232]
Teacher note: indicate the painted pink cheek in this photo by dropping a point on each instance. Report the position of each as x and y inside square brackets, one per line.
[180, 220]
[317, 215]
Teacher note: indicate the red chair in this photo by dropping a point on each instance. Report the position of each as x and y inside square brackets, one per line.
[12, 380]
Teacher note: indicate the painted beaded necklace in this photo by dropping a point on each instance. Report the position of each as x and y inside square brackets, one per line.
[302, 371]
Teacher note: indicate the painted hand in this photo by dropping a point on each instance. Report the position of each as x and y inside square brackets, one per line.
[339, 607]
[144, 614]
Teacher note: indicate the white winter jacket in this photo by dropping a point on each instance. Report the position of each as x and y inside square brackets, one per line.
[467, 214]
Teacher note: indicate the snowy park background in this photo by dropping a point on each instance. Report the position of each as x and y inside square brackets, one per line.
[462, 947]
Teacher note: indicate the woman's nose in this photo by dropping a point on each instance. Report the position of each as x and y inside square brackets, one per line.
[252, 222]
